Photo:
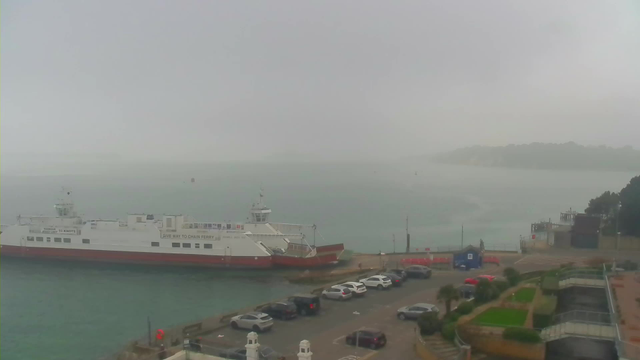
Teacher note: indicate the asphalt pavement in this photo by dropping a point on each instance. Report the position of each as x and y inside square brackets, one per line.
[327, 330]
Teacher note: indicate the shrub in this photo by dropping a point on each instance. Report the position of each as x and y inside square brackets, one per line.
[544, 311]
[486, 291]
[429, 323]
[501, 286]
[512, 275]
[465, 308]
[449, 331]
[522, 335]
[451, 317]
[550, 285]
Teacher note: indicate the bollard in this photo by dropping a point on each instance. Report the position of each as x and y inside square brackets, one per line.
[305, 350]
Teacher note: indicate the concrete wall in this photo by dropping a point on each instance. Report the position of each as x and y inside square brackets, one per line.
[182, 355]
[496, 345]
[626, 243]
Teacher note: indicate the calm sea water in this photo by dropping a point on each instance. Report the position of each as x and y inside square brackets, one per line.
[51, 310]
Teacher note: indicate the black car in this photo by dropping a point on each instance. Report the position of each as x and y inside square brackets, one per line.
[467, 291]
[395, 279]
[400, 272]
[264, 353]
[307, 304]
[283, 310]
[418, 271]
[371, 338]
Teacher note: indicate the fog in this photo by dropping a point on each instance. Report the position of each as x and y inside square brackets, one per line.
[238, 80]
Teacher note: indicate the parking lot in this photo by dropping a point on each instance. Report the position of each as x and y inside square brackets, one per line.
[327, 330]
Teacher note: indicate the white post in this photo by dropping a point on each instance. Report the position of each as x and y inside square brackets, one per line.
[252, 346]
[305, 350]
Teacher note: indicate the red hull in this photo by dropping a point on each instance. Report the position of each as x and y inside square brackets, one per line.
[292, 261]
[168, 259]
[137, 257]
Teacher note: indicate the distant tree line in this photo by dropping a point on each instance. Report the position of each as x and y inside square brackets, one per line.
[623, 207]
[546, 156]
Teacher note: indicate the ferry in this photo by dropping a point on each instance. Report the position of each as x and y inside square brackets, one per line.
[166, 240]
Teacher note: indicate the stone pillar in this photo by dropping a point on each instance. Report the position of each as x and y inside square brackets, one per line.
[305, 350]
[252, 346]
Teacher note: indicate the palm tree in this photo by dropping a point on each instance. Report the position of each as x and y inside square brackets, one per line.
[447, 294]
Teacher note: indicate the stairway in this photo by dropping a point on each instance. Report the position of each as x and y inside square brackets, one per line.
[446, 350]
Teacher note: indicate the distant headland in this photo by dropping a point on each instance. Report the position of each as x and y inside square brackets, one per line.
[546, 156]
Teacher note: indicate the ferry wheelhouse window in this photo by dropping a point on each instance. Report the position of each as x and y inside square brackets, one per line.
[39, 238]
[186, 245]
[208, 246]
[84, 241]
[155, 243]
[30, 238]
[57, 240]
[197, 246]
[175, 244]
[67, 240]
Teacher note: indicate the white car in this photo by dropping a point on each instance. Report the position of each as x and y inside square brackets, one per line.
[377, 281]
[337, 292]
[255, 321]
[357, 289]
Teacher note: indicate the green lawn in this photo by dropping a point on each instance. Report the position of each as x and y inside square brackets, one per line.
[501, 317]
[524, 295]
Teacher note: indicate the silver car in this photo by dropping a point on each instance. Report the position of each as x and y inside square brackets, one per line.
[255, 321]
[337, 292]
[414, 311]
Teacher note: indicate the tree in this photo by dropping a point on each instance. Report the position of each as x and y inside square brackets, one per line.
[605, 205]
[512, 275]
[429, 323]
[486, 291]
[630, 208]
[447, 294]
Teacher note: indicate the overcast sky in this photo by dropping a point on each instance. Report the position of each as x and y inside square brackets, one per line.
[225, 80]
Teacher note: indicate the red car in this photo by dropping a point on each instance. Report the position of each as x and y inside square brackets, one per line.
[475, 280]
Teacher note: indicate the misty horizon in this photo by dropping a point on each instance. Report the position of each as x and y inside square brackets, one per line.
[193, 81]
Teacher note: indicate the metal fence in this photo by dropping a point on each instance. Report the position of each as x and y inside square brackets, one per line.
[582, 316]
[581, 273]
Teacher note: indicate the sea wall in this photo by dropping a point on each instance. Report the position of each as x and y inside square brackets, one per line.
[626, 243]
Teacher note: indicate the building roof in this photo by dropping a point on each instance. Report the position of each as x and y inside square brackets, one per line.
[467, 249]
[586, 224]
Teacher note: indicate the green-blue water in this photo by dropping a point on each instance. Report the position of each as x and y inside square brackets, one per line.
[51, 310]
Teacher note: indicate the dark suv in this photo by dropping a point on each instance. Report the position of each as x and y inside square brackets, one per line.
[307, 304]
[399, 272]
[371, 338]
[283, 310]
[418, 271]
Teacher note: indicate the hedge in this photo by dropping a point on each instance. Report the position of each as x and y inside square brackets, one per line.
[522, 335]
[452, 317]
[449, 331]
[544, 311]
[465, 308]
[429, 323]
[501, 285]
[550, 285]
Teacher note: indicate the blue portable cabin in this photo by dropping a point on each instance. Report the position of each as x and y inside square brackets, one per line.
[468, 258]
